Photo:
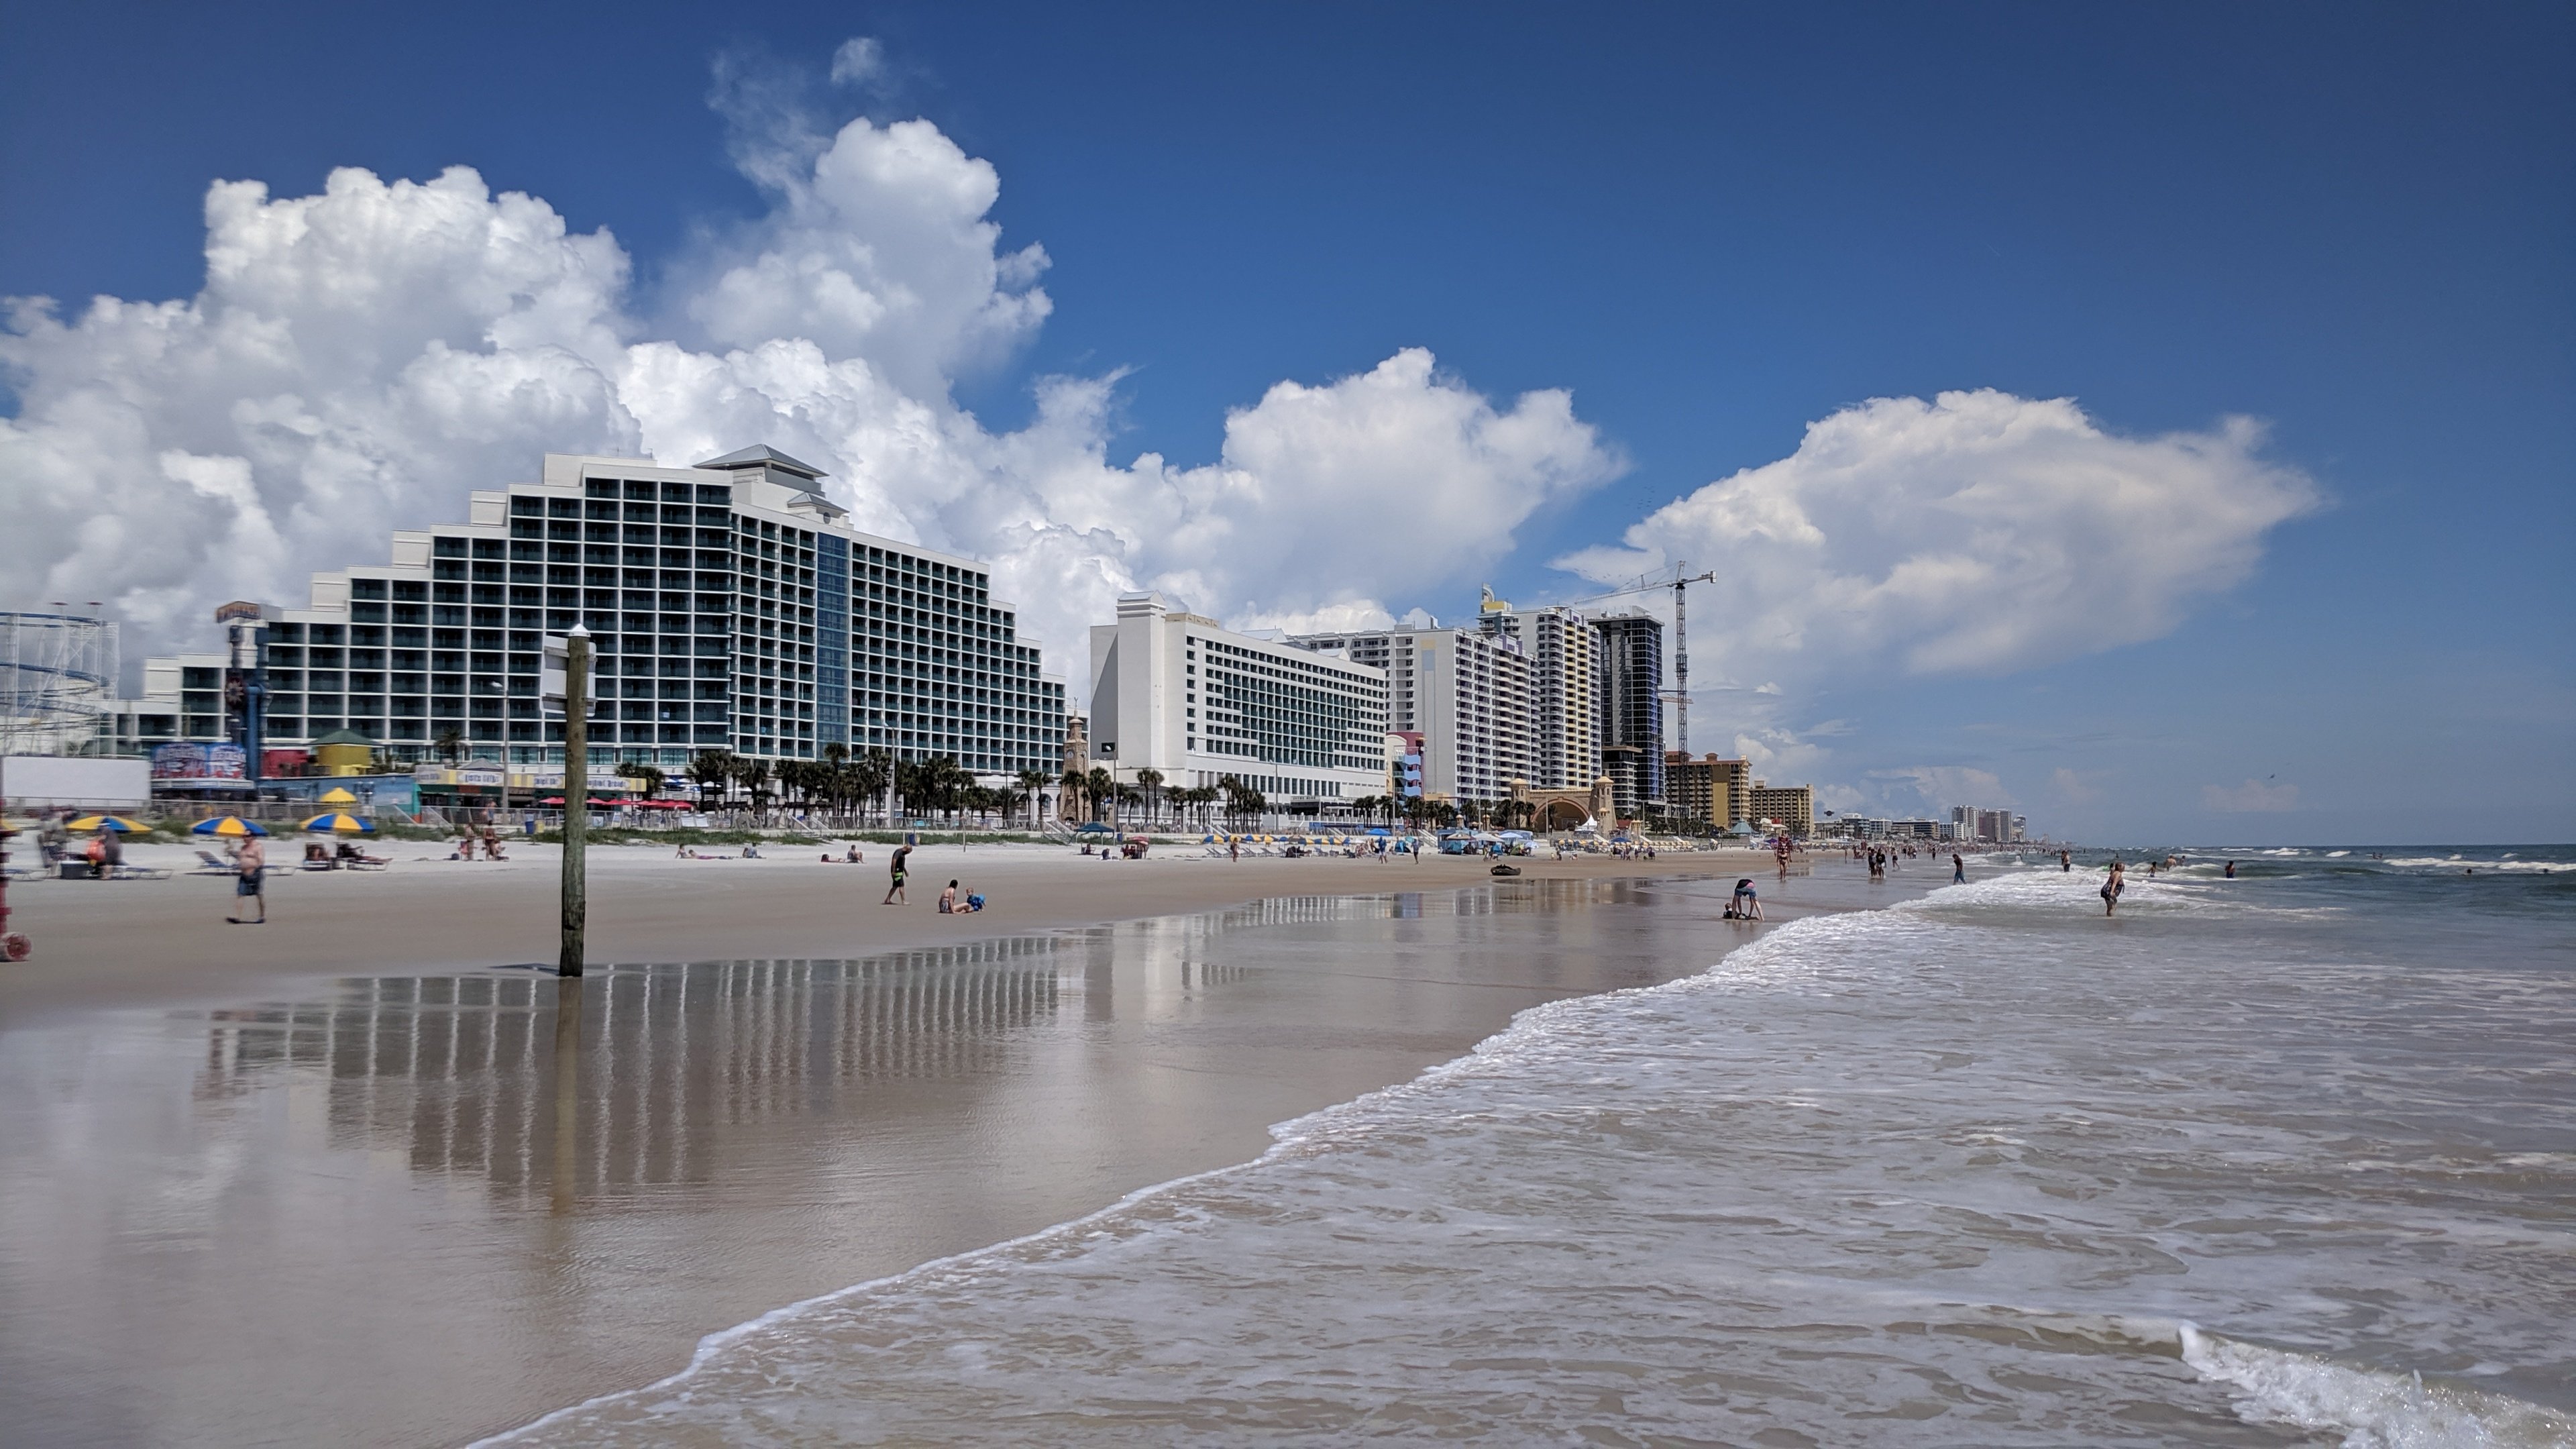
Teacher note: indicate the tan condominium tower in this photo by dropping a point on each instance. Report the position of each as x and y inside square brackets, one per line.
[1564, 666]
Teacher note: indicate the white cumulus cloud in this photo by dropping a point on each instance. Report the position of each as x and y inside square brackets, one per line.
[358, 360]
[1979, 533]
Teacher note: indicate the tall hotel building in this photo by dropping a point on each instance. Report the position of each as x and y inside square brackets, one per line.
[1185, 696]
[730, 605]
[1630, 707]
[1466, 694]
[1564, 663]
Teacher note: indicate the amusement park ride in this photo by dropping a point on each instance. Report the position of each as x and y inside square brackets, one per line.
[14, 945]
[57, 677]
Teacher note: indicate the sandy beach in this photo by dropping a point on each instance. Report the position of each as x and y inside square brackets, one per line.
[165, 942]
[326, 1181]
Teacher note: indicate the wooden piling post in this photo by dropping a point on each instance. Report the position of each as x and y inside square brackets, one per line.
[576, 798]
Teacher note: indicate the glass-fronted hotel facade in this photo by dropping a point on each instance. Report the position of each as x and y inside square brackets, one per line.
[730, 607]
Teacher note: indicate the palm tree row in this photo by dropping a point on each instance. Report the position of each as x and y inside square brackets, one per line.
[847, 788]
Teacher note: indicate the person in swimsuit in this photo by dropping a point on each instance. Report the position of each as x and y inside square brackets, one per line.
[894, 893]
[948, 900]
[1746, 906]
[2112, 887]
[250, 867]
[1958, 869]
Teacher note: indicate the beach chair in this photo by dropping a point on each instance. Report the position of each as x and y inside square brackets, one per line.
[209, 863]
[138, 872]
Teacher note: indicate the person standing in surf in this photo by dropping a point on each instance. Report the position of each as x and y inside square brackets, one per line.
[1958, 869]
[2112, 886]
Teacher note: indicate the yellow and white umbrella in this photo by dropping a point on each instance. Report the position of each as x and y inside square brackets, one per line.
[337, 796]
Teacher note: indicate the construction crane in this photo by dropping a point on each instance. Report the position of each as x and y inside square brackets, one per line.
[1678, 578]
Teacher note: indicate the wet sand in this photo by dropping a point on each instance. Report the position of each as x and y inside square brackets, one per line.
[408, 1208]
[163, 942]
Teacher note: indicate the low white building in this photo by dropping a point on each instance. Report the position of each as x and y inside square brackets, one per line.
[1185, 696]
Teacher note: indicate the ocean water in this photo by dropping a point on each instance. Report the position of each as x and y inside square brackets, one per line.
[2285, 1159]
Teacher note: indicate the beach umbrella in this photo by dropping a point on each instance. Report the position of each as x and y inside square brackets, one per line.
[338, 820]
[232, 825]
[337, 796]
[104, 822]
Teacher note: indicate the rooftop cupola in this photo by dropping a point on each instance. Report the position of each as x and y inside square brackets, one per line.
[773, 466]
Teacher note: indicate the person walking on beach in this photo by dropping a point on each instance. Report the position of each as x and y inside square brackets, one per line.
[250, 866]
[894, 893]
[1958, 869]
[2111, 887]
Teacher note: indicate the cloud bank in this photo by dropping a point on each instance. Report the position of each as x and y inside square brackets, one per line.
[358, 360]
[1979, 533]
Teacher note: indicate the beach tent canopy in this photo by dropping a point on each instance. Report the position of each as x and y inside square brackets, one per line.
[338, 820]
[117, 823]
[232, 825]
[337, 796]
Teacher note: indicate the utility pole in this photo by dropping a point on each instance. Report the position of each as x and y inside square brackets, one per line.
[576, 798]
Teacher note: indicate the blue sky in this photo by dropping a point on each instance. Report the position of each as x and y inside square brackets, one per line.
[1713, 227]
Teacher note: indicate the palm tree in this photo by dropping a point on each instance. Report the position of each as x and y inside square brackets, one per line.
[1031, 782]
[451, 744]
[1102, 789]
[711, 770]
[1077, 789]
[868, 776]
[1151, 782]
[648, 778]
[753, 774]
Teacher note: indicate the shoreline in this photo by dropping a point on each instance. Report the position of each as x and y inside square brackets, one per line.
[933, 1095]
[109, 943]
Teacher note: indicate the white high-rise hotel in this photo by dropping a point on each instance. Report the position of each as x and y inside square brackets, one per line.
[1185, 696]
[732, 607]
[1465, 695]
